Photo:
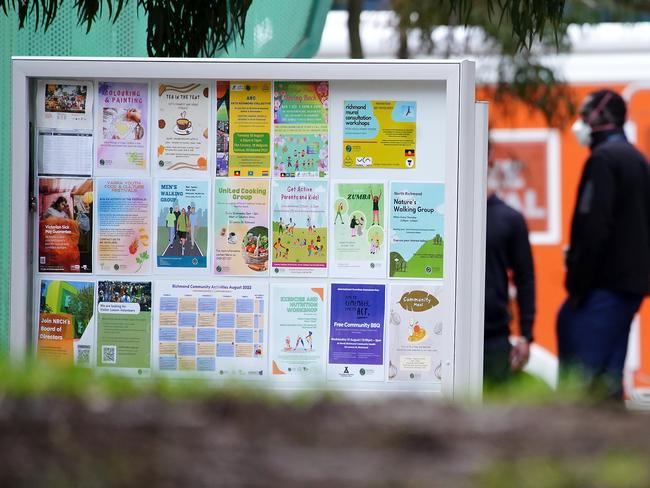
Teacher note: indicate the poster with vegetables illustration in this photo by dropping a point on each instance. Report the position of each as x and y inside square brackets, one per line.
[124, 227]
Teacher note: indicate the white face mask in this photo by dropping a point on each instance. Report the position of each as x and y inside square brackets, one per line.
[582, 131]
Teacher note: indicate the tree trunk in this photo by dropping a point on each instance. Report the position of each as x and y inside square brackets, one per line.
[354, 18]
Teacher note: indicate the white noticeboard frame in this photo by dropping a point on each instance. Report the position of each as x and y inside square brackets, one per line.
[447, 135]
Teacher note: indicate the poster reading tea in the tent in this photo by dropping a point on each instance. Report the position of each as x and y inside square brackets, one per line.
[122, 121]
[65, 228]
[65, 322]
[182, 222]
[299, 223]
[301, 131]
[241, 230]
[183, 128]
[210, 328]
[243, 128]
[357, 229]
[379, 134]
[124, 214]
[415, 323]
[356, 338]
[297, 341]
[416, 230]
[124, 325]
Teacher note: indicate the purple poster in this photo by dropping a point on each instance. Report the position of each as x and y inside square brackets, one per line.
[356, 345]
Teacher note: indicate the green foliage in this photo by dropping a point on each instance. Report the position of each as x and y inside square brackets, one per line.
[81, 307]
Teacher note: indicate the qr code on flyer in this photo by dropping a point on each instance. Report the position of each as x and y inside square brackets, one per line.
[83, 354]
[109, 354]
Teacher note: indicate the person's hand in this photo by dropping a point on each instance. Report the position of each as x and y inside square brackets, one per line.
[519, 354]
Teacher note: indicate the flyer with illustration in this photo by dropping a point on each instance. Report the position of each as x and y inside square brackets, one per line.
[356, 338]
[417, 224]
[357, 229]
[65, 225]
[122, 115]
[124, 214]
[379, 134]
[124, 326]
[210, 328]
[182, 224]
[66, 326]
[299, 227]
[243, 128]
[415, 333]
[300, 118]
[297, 337]
[241, 227]
[183, 127]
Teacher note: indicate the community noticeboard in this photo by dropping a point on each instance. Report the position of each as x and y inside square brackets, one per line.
[242, 223]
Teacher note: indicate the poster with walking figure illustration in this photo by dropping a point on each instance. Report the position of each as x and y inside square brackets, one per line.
[358, 229]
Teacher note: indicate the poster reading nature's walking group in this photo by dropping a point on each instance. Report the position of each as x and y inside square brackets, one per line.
[122, 119]
[241, 230]
[214, 329]
[379, 134]
[299, 227]
[124, 229]
[417, 230]
[183, 128]
[300, 116]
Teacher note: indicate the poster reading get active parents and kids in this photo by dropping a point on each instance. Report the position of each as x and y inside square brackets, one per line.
[273, 215]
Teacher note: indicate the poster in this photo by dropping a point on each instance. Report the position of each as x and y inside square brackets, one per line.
[183, 127]
[416, 230]
[356, 340]
[415, 333]
[64, 152]
[297, 337]
[65, 225]
[215, 329]
[299, 222]
[124, 326]
[124, 215]
[379, 134]
[122, 121]
[357, 229]
[182, 224]
[65, 321]
[241, 227]
[243, 128]
[300, 120]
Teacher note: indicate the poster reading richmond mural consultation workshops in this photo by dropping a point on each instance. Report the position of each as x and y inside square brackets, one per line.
[356, 341]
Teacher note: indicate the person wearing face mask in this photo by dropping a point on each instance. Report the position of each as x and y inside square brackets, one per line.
[608, 260]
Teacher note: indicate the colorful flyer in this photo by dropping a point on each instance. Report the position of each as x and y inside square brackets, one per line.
[415, 333]
[66, 325]
[241, 227]
[297, 337]
[356, 341]
[183, 127]
[357, 229]
[213, 329]
[299, 221]
[416, 230]
[182, 224]
[65, 225]
[124, 326]
[124, 214]
[122, 114]
[379, 134]
[300, 142]
[243, 128]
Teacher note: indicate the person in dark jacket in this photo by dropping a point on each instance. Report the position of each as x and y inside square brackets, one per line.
[507, 251]
[608, 261]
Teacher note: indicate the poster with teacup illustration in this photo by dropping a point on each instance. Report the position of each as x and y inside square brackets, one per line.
[123, 126]
[183, 119]
[415, 325]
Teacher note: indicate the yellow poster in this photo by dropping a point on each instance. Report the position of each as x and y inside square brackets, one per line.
[379, 134]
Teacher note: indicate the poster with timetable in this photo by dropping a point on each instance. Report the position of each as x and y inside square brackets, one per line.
[212, 329]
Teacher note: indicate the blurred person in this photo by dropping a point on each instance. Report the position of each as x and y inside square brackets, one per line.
[608, 260]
